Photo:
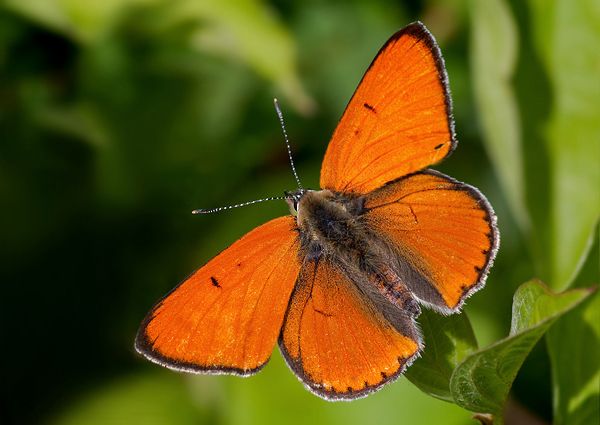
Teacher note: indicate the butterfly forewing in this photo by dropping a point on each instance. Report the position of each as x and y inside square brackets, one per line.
[443, 229]
[226, 317]
[399, 119]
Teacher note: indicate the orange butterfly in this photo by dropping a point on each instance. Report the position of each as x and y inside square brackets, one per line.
[338, 285]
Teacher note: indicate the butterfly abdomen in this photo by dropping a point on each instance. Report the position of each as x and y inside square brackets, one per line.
[391, 286]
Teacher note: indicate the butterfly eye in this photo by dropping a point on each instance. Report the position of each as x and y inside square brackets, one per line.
[293, 206]
[292, 199]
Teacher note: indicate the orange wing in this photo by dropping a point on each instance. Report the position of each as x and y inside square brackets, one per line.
[226, 317]
[337, 341]
[398, 121]
[442, 231]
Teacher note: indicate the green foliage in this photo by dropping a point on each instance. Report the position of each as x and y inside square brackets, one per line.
[573, 347]
[449, 339]
[571, 133]
[481, 382]
[117, 118]
[494, 44]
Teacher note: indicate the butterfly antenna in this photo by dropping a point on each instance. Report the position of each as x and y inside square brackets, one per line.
[273, 198]
[287, 143]
[201, 211]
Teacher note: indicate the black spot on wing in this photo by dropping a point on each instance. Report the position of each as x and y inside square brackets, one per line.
[372, 109]
[214, 282]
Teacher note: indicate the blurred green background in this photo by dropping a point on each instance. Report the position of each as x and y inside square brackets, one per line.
[119, 117]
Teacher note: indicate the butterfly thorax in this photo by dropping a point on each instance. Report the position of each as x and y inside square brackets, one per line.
[330, 218]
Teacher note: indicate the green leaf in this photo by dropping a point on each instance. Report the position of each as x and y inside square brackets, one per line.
[250, 31]
[567, 37]
[244, 30]
[574, 348]
[85, 22]
[494, 45]
[448, 339]
[47, 13]
[481, 382]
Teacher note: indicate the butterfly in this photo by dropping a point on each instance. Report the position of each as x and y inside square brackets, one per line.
[339, 283]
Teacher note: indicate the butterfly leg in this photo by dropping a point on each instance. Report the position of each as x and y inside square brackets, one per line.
[394, 290]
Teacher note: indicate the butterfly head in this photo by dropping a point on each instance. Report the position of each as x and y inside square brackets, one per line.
[293, 199]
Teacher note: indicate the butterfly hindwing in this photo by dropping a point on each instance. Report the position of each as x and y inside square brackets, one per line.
[341, 339]
[226, 317]
[442, 231]
[399, 119]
